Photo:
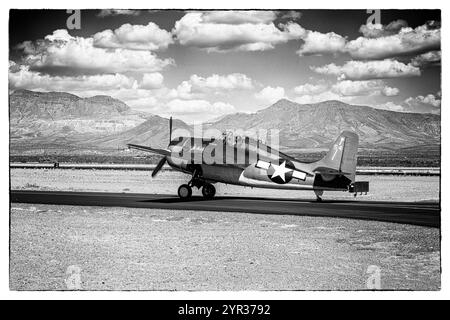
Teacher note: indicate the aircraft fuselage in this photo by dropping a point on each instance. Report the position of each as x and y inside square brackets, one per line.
[260, 166]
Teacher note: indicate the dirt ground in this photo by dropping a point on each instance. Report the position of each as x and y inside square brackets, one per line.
[94, 248]
[67, 247]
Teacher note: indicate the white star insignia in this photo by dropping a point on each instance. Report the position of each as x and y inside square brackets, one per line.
[280, 171]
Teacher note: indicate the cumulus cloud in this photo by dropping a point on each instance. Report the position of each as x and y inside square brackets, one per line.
[429, 102]
[290, 15]
[163, 102]
[223, 31]
[198, 106]
[197, 110]
[184, 91]
[432, 58]
[307, 89]
[363, 88]
[378, 41]
[407, 41]
[233, 31]
[221, 82]
[366, 70]
[389, 91]
[60, 52]
[391, 106]
[239, 17]
[134, 37]
[152, 81]
[377, 30]
[271, 94]
[143, 95]
[346, 91]
[59, 35]
[323, 96]
[146, 103]
[20, 77]
[197, 86]
[317, 43]
[121, 62]
[118, 12]
[421, 104]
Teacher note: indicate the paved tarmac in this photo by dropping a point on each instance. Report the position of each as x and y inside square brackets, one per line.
[415, 213]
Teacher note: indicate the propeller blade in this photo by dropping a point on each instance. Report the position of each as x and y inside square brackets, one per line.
[159, 166]
[170, 130]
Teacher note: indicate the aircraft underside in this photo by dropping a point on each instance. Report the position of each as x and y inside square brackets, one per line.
[205, 176]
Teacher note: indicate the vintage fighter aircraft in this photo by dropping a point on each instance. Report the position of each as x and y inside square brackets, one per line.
[259, 165]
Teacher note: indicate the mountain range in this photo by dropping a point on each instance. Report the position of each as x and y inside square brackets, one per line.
[63, 121]
[316, 125]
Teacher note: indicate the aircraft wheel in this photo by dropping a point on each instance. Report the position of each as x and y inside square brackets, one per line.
[208, 191]
[184, 191]
[319, 194]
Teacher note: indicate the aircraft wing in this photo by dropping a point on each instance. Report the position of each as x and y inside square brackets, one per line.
[162, 152]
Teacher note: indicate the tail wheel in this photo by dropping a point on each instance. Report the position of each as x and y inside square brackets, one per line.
[184, 191]
[319, 194]
[208, 191]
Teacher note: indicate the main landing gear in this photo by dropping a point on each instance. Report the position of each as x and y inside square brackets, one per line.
[208, 190]
[184, 191]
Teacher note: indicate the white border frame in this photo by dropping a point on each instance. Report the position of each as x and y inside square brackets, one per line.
[230, 4]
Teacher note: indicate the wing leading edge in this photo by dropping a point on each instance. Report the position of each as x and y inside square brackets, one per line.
[162, 152]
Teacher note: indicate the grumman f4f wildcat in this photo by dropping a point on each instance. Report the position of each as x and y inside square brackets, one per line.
[251, 163]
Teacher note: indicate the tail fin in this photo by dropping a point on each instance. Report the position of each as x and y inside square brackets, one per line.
[341, 159]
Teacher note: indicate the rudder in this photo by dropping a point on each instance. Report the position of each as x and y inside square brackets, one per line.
[341, 159]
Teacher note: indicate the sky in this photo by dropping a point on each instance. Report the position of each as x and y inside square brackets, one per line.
[201, 65]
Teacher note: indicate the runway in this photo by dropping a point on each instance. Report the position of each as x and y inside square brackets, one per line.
[415, 213]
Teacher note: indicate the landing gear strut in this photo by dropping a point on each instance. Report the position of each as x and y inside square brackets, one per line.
[208, 190]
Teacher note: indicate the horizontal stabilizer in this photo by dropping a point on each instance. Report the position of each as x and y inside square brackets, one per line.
[359, 186]
[324, 170]
[162, 152]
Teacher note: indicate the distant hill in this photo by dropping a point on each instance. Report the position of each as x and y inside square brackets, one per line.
[316, 125]
[43, 118]
[24, 104]
[63, 121]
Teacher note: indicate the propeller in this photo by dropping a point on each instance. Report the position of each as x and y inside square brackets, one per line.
[162, 162]
[159, 166]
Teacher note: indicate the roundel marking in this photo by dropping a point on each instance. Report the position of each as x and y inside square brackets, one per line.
[281, 173]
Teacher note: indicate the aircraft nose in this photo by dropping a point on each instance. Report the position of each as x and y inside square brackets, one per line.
[175, 149]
